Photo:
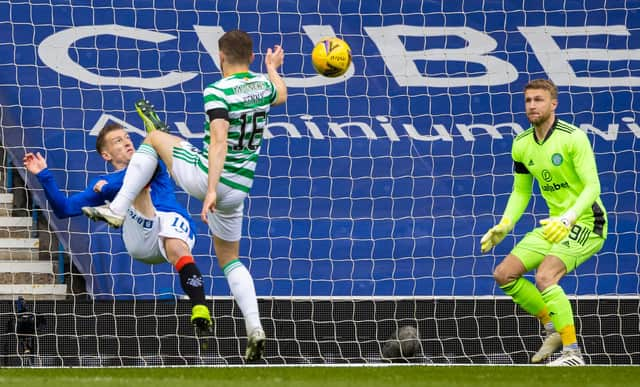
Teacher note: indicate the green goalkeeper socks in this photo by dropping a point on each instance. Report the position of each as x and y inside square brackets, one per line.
[561, 313]
[552, 304]
[525, 294]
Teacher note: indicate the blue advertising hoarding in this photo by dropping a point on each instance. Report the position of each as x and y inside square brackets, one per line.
[378, 183]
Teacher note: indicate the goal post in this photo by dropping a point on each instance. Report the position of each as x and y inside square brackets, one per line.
[372, 190]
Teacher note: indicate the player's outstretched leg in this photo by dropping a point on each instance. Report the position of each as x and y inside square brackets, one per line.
[571, 358]
[201, 319]
[255, 345]
[148, 114]
[105, 214]
[551, 344]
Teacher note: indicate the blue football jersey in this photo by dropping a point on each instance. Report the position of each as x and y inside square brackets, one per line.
[163, 193]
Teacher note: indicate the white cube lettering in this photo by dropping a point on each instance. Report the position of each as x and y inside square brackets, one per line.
[555, 60]
[53, 51]
[401, 62]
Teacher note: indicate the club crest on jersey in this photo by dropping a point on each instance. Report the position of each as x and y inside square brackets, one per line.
[556, 159]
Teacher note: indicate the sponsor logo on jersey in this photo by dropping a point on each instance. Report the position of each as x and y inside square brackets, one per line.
[546, 175]
[554, 186]
[556, 159]
[530, 163]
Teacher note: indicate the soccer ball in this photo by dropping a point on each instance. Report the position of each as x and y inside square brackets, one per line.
[331, 57]
[402, 344]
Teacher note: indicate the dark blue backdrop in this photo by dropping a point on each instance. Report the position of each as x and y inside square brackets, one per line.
[353, 215]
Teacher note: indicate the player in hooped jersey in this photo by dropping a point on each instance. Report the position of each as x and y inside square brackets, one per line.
[221, 175]
[559, 156]
[156, 228]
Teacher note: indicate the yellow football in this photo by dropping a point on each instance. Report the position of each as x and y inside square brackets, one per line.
[331, 57]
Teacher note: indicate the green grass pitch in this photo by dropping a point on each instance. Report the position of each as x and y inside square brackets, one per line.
[392, 376]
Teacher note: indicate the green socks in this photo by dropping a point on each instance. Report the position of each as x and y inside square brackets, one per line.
[525, 294]
[561, 314]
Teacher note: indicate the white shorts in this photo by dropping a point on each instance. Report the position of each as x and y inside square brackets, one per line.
[190, 173]
[144, 237]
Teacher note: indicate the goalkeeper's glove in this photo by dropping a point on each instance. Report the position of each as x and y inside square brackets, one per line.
[495, 235]
[557, 228]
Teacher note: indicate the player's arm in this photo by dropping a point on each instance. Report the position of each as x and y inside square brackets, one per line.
[107, 189]
[517, 203]
[521, 194]
[62, 206]
[219, 128]
[273, 60]
[586, 170]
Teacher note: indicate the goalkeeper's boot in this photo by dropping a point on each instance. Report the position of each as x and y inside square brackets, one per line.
[151, 120]
[551, 343]
[201, 319]
[105, 214]
[255, 345]
[571, 358]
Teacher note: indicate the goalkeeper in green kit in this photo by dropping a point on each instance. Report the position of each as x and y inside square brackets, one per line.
[560, 157]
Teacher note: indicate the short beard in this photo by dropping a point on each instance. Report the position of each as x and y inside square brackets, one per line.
[540, 120]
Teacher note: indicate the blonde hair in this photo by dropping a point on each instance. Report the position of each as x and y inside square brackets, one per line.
[543, 84]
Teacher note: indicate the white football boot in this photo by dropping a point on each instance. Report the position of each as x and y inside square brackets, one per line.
[551, 344]
[572, 358]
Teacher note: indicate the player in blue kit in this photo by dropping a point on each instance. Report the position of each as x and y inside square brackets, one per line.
[156, 229]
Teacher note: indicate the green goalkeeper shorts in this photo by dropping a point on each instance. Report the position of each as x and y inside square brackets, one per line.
[574, 250]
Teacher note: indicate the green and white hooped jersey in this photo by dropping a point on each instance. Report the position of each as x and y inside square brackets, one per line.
[247, 97]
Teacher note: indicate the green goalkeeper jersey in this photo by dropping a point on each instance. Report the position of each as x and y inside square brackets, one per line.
[564, 165]
[247, 97]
